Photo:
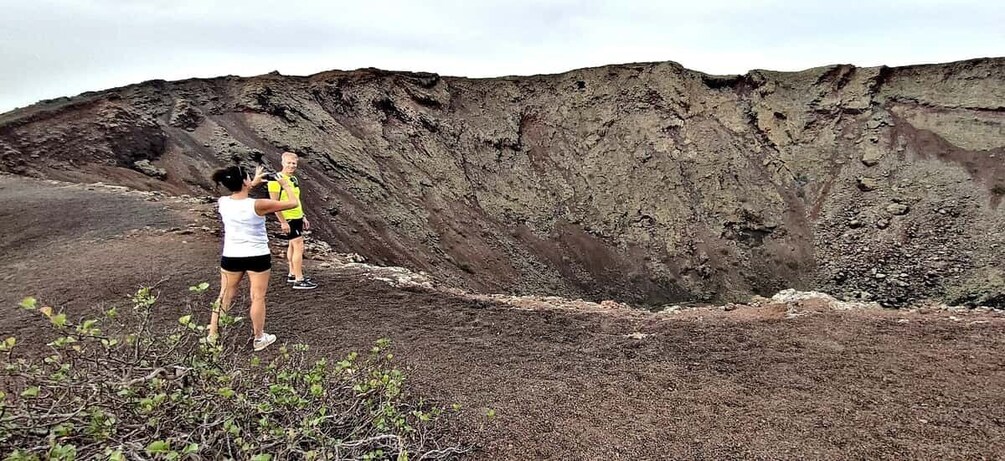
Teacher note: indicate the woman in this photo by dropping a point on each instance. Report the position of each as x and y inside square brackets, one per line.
[246, 245]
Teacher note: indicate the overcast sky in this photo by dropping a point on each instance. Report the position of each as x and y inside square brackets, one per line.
[51, 48]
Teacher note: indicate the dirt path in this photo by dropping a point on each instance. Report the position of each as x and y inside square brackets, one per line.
[746, 384]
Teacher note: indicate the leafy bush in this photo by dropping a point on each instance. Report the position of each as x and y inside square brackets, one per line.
[172, 394]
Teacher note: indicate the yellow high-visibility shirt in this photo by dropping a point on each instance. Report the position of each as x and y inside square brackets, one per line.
[295, 213]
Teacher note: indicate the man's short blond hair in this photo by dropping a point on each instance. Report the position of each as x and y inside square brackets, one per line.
[287, 155]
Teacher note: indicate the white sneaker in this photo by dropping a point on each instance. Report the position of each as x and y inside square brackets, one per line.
[264, 341]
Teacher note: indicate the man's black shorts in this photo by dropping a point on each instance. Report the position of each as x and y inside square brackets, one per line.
[247, 264]
[296, 229]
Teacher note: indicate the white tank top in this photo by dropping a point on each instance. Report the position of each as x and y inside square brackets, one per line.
[243, 229]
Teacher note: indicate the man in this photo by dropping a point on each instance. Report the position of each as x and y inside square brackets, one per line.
[294, 224]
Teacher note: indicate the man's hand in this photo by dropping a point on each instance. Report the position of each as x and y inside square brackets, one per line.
[283, 181]
[286, 227]
[307, 224]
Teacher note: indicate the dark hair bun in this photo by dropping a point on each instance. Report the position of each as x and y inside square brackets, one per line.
[231, 177]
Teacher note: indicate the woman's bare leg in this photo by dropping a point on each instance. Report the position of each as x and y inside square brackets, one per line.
[229, 281]
[259, 286]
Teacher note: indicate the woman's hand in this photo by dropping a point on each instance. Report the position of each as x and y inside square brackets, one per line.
[259, 173]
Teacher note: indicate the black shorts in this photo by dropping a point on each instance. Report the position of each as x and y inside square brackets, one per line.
[246, 264]
[296, 229]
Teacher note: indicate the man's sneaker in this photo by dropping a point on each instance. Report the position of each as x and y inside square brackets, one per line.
[264, 341]
[305, 284]
[290, 278]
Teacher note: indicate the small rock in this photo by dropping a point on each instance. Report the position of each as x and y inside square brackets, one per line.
[144, 166]
[610, 304]
[866, 184]
[643, 156]
[897, 209]
[883, 223]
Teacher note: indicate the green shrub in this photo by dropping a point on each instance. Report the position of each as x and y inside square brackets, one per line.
[132, 392]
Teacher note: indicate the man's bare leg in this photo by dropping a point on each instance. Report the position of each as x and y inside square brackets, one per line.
[296, 252]
[289, 258]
